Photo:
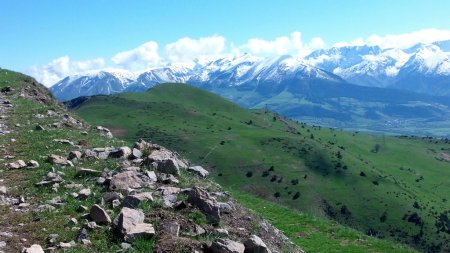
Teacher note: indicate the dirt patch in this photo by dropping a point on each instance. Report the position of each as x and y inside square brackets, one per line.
[118, 132]
[445, 157]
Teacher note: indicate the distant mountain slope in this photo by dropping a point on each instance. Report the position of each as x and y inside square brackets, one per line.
[391, 187]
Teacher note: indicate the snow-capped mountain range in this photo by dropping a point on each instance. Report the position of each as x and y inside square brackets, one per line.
[423, 68]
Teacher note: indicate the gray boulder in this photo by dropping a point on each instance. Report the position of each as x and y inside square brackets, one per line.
[226, 246]
[133, 201]
[131, 224]
[254, 244]
[199, 170]
[122, 152]
[129, 180]
[19, 164]
[35, 248]
[99, 215]
[166, 161]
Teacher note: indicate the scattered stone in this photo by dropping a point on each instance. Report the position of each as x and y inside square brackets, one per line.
[142, 145]
[44, 208]
[2, 244]
[129, 180]
[56, 201]
[254, 244]
[83, 172]
[222, 232]
[39, 128]
[171, 228]
[6, 89]
[105, 131]
[226, 246]
[74, 155]
[35, 248]
[84, 193]
[73, 221]
[82, 235]
[168, 190]
[122, 152]
[67, 245]
[109, 197]
[3, 189]
[125, 246]
[169, 201]
[115, 203]
[51, 239]
[199, 230]
[152, 176]
[199, 170]
[19, 164]
[64, 141]
[200, 198]
[59, 160]
[91, 225]
[167, 178]
[135, 154]
[99, 215]
[166, 162]
[133, 201]
[32, 164]
[131, 224]
[225, 207]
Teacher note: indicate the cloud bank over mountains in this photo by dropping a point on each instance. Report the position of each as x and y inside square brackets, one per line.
[188, 51]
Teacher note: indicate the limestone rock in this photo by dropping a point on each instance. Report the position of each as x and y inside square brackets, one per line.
[131, 224]
[19, 164]
[35, 248]
[226, 246]
[199, 170]
[254, 244]
[59, 160]
[74, 155]
[122, 152]
[99, 215]
[133, 201]
[32, 164]
[166, 161]
[129, 180]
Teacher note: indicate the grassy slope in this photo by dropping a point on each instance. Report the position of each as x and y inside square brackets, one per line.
[234, 141]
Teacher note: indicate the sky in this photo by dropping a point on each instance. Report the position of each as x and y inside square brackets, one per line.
[51, 39]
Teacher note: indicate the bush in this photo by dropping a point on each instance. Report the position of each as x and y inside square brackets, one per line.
[276, 194]
[249, 174]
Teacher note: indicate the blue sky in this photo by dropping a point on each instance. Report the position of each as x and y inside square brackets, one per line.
[35, 32]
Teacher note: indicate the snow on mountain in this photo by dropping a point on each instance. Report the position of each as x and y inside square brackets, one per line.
[360, 65]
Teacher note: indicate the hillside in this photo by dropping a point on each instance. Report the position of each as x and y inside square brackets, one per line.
[393, 187]
[66, 186]
[291, 87]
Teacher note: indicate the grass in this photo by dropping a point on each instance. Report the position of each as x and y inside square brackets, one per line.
[321, 166]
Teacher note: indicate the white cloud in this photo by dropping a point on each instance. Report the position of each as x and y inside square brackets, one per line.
[187, 50]
[61, 67]
[142, 57]
[402, 41]
[292, 44]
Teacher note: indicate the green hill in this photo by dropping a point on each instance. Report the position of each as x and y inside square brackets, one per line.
[392, 187]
